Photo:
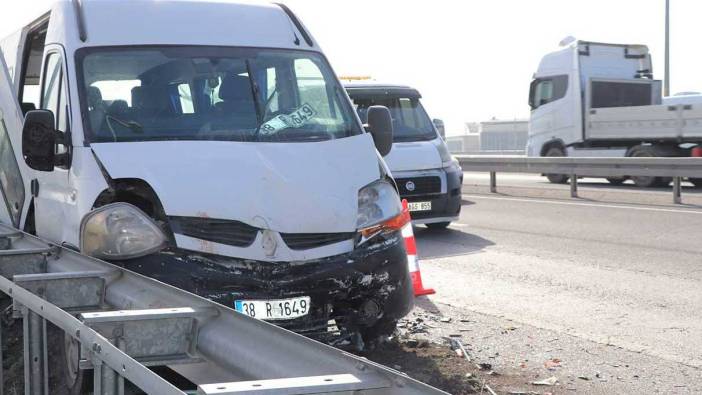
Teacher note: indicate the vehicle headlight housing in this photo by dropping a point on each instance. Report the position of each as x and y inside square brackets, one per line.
[377, 202]
[119, 231]
[446, 159]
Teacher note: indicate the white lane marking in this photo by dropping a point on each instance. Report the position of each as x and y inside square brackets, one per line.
[458, 225]
[535, 200]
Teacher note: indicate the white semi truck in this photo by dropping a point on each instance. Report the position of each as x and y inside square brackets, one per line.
[595, 99]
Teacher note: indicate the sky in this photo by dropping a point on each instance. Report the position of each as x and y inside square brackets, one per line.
[472, 60]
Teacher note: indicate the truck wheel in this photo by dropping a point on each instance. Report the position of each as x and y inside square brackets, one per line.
[438, 225]
[647, 182]
[556, 178]
[616, 180]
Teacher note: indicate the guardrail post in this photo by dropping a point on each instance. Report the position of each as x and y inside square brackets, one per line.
[35, 358]
[573, 186]
[677, 190]
[493, 182]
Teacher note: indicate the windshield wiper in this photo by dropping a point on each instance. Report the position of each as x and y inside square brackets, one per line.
[257, 103]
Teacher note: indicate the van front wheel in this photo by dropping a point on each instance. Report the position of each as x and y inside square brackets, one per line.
[66, 377]
[438, 225]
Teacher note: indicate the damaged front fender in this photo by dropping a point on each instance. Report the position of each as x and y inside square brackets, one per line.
[350, 293]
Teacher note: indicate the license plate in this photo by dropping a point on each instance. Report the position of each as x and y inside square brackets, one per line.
[419, 206]
[283, 309]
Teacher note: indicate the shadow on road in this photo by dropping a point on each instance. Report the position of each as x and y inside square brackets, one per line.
[442, 243]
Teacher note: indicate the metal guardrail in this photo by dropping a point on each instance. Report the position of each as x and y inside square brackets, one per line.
[676, 168]
[125, 322]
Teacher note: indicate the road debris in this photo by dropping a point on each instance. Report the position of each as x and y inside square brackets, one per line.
[551, 381]
[433, 364]
[552, 364]
[509, 328]
[484, 366]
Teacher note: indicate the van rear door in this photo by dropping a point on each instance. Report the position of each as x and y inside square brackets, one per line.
[14, 185]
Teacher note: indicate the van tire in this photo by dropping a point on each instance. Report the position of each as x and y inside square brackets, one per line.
[378, 333]
[438, 225]
[556, 178]
[66, 378]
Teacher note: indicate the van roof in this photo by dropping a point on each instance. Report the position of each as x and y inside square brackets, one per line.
[178, 22]
[365, 88]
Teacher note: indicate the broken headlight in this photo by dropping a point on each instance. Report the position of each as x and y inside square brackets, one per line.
[119, 231]
[377, 203]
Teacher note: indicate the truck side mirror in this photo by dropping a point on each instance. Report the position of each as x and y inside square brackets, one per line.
[532, 93]
[39, 140]
[380, 125]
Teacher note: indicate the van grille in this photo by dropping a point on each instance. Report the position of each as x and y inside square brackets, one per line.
[422, 185]
[233, 233]
[304, 241]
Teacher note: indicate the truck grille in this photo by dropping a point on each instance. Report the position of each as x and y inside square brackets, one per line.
[233, 233]
[422, 185]
[304, 241]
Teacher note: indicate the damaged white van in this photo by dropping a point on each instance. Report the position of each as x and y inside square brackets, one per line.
[209, 145]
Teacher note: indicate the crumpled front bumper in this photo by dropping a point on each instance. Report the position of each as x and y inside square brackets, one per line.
[349, 293]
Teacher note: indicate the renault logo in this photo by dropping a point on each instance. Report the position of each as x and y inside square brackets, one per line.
[410, 186]
[269, 243]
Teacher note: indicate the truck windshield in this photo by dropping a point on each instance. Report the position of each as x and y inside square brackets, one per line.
[410, 121]
[205, 93]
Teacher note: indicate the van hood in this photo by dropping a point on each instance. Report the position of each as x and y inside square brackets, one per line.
[284, 187]
[417, 155]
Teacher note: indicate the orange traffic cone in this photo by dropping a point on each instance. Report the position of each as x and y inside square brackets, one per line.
[412, 258]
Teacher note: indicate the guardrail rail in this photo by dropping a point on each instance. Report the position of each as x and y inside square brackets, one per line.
[676, 168]
[126, 323]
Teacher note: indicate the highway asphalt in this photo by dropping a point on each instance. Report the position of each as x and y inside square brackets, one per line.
[620, 269]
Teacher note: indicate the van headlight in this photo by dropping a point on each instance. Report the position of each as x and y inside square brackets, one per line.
[377, 202]
[446, 157]
[119, 231]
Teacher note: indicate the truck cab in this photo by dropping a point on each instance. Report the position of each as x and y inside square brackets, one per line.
[424, 170]
[208, 145]
[599, 99]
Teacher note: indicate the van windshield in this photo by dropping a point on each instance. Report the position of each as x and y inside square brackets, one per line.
[205, 93]
[410, 121]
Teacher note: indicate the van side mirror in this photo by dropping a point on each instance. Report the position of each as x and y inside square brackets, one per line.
[39, 140]
[440, 127]
[380, 125]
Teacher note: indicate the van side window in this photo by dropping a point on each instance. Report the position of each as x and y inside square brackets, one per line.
[547, 90]
[52, 84]
[54, 96]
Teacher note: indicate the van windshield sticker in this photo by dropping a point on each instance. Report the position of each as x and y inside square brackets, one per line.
[295, 119]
